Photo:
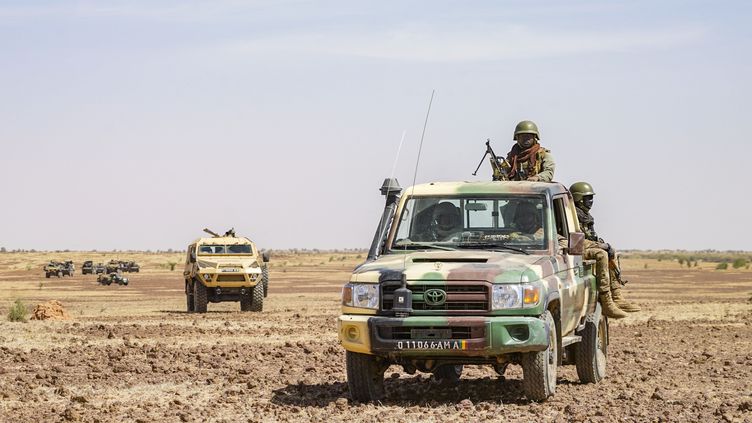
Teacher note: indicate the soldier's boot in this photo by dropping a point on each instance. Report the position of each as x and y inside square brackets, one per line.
[620, 301]
[609, 307]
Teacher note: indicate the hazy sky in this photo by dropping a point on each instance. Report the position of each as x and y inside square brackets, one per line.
[134, 124]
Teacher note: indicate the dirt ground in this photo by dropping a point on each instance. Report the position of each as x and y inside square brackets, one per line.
[133, 353]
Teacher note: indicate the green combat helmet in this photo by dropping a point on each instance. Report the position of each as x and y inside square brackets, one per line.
[526, 127]
[580, 190]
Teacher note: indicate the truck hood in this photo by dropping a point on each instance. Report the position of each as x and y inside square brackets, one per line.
[462, 265]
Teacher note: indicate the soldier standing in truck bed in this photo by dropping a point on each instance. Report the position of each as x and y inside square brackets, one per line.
[529, 161]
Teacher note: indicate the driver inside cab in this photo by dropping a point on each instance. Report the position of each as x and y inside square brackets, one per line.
[446, 222]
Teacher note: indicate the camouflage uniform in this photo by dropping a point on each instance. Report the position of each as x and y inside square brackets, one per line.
[603, 278]
[527, 160]
[534, 161]
[583, 194]
[587, 223]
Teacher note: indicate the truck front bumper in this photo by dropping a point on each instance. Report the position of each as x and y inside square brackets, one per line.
[429, 336]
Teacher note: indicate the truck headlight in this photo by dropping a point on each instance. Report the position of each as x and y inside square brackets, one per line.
[511, 296]
[207, 277]
[363, 295]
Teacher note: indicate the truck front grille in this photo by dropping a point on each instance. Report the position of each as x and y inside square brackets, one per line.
[230, 278]
[461, 297]
[397, 333]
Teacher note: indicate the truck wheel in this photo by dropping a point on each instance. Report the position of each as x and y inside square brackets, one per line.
[47, 275]
[59, 274]
[365, 377]
[448, 374]
[257, 302]
[188, 298]
[265, 279]
[591, 353]
[539, 368]
[200, 297]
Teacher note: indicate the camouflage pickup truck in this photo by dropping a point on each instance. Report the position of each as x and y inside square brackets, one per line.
[474, 273]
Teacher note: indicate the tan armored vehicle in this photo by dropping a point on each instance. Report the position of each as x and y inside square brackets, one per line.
[225, 268]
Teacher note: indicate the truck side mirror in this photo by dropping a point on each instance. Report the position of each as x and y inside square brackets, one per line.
[193, 256]
[265, 256]
[576, 243]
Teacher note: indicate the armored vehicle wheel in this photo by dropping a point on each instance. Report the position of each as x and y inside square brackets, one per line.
[591, 353]
[539, 368]
[47, 275]
[257, 301]
[265, 279]
[188, 298]
[200, 297]
[365, 377]
[448, 374]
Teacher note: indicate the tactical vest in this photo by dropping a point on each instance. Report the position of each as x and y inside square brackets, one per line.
[527, 167]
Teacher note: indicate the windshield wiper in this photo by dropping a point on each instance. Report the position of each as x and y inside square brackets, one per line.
[490, 246]
[421, 245]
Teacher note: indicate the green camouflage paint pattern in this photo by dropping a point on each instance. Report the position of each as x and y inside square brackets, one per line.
[565, 279]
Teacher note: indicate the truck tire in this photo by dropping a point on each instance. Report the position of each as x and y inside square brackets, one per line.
[265, 279]
[539, 368]
[365, 377]
[59, 274]
[200, 297]
[188, 298]
[448, 374]
[257, 300]
[591, 353]
[47, 275]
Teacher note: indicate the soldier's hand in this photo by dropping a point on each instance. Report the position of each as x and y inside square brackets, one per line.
[611, 252]
[533, 178]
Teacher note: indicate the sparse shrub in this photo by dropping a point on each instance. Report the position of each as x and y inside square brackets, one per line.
[689, 263]
[28, 267]
[660, 258]
[17, 312]
[359, 256]
[740, 262]
[681, 261]
[721, 266]
[172, 265]
[695, 263]
[331, 258]
[646, 266]
[41, 285]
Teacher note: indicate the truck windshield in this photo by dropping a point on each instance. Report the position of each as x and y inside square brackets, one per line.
[486, 222]
[225, 249]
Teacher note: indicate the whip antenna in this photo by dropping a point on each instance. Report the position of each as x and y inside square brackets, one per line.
[422, 135]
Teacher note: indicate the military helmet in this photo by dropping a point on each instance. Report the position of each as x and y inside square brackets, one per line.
[581, 189]
[526, 127]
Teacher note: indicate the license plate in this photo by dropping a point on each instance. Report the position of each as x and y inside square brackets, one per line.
[457, 344]
[229, 269]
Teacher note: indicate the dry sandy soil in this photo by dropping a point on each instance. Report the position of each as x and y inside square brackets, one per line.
[133, 354]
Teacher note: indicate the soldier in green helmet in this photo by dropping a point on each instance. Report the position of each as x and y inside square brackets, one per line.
[583, 193]
[529, 161]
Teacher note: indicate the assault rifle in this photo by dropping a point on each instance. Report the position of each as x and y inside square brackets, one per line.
[614, 265]
[500, 167]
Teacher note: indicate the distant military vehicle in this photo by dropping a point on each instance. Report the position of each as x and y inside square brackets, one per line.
[112, 266]
[87, 268]
[110, 278]
[68, 268]
[99, 268]
[474, 273]
[53, 268]
[130, 266]
[225, 268]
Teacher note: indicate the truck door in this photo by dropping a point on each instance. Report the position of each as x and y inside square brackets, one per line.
[571, 289]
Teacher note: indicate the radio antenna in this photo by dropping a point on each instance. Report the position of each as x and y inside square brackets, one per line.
[422, 136]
